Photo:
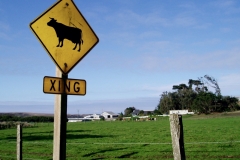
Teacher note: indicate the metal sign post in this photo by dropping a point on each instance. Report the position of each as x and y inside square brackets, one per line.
[60, 122]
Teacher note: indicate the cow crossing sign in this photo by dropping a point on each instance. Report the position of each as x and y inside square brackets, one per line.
[68, 38]
[65, 34]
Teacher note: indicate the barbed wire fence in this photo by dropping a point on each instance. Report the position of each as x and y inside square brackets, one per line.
[3, 157]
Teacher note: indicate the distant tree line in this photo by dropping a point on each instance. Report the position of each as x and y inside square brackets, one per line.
[196, 97]
[8, 118]
[129, 110]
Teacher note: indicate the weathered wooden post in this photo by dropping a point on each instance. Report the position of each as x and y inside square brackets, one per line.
[19, 142]
[176, 127]
[60, 124]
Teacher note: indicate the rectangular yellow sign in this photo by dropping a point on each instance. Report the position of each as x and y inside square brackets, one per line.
[55, 85]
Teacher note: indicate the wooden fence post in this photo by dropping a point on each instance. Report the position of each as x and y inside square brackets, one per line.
[19, 142]
[176, 127]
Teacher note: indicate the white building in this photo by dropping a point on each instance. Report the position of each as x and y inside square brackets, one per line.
[74, 119]
[93, 116]
[181, 112]
[109, 115]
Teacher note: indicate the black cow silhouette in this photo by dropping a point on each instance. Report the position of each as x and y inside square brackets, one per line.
[66, 32]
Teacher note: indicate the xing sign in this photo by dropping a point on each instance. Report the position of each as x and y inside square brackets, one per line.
[65, 34]
[56, 85]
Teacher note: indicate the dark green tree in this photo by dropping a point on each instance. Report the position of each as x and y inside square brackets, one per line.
[211, 81]
[156, 111]
[141, 113]
[128, 111]
[167, 102]
[204, 102]
[196, 97]
[230, 103]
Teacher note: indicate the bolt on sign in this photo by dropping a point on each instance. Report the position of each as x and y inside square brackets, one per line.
[56, 85]
[65, 34]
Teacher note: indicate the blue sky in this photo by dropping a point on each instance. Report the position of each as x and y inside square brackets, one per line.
[145, 48]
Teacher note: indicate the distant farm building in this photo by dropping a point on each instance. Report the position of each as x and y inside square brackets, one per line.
[181, 112]
[90, 117]
[93, 116]
[109, 115]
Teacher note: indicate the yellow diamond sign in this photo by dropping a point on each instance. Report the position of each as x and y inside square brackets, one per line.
[65, 34]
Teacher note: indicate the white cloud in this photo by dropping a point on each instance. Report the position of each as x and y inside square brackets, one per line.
[158, 90]
[230, 84]
[223, 3]
[212, 41]
[4, 36]
[188, 5]
[15, 103]
[151, 47]
[225, 30]
[150, 34]
[4, 26]
[204, 25]
[192, 62]
[87, 106]
[235, 42]
[185, 20]
[226, 7]
[129, 19]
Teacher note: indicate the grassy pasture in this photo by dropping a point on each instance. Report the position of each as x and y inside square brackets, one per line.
[205, 137]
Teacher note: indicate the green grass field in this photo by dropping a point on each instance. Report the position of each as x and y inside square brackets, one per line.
[205, 137]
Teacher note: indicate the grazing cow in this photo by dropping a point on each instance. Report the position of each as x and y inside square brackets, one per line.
[66, 32]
